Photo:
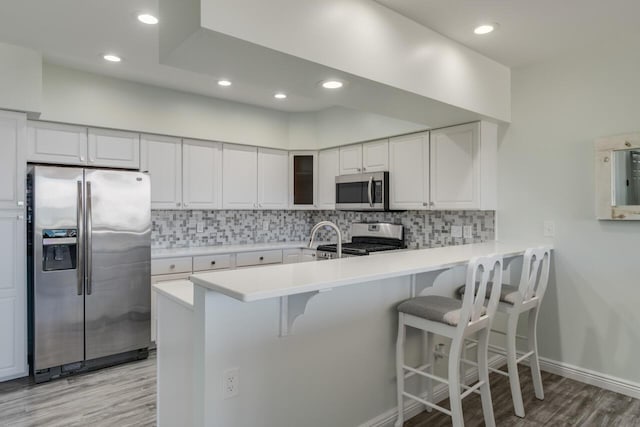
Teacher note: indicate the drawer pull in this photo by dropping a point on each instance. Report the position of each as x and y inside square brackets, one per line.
[213, 263]
[172, 266]
[261, 258]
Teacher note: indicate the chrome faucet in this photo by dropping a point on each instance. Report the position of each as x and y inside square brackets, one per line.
[321, 224]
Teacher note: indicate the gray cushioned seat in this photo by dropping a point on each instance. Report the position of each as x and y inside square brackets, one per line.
[508, 293]
[434, 307]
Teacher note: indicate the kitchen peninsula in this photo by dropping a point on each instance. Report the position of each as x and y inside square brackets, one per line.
[297, 344]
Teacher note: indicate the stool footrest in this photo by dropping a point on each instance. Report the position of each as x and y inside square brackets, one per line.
[425, 374]
[522, 337]
[419, 368]
[472, 389]
[524, 356]
[429, 404]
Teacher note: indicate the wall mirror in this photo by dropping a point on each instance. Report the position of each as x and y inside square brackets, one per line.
[618, 177]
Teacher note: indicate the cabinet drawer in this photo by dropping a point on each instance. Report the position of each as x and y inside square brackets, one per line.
[171, 265]
[258, 258]
[211, 262]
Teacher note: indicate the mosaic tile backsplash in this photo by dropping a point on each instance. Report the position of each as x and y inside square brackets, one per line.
[178, 229]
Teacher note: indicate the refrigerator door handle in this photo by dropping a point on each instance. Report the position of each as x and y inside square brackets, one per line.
[89, 233]
[80, 239]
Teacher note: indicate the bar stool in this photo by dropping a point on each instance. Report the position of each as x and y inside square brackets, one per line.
[455, 319]
[514, 301]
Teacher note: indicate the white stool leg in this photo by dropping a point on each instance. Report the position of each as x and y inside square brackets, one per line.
[512, 364]
[483, 375]
[399, 369]
[428, 359]
[533, 359]
[454, 382]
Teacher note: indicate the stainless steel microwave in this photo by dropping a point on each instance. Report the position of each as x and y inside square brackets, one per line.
[363, 192]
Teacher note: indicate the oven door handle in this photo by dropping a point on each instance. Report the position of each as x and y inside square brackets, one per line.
[370, 187]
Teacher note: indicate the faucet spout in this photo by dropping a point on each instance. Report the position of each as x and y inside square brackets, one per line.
[321, 224]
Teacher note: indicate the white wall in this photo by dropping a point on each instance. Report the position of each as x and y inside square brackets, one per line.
[591, 315]
[74, 96]
[20, 79]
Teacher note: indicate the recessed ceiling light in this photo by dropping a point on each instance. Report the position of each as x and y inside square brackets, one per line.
[112, 58]
[280, 95]
[332, 84]
[224, 82]
[145, 18]
[484, 29]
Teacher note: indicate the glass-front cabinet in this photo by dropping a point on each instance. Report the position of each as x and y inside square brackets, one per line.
[304, 178]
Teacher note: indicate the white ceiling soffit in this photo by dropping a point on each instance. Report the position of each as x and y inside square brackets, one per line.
[296, 50]
[530, 31]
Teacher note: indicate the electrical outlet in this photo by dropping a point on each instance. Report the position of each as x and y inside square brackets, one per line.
[200, 227]
[231, 383]
[265, 225]
[456, 231]
[549, 228]
[467, 231]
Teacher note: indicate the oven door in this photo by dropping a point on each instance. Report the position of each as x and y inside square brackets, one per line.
[363, 192]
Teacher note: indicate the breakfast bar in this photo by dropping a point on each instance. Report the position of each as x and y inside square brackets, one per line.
[246, 365]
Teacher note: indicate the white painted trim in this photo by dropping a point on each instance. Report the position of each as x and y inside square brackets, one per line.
[440, 393]
[587, 376]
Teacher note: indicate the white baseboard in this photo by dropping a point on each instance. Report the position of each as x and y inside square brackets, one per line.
[440, 393]
[604, 381]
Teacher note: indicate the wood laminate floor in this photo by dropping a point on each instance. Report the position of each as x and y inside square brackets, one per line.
[125, 396]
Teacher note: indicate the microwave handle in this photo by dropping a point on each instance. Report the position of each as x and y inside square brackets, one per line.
[370, 187]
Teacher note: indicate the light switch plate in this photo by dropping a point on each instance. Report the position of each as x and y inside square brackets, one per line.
[200, 227]
[467, 231]
[549, 228]
[456, 231]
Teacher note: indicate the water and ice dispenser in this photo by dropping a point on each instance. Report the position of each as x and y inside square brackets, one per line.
[59, 249]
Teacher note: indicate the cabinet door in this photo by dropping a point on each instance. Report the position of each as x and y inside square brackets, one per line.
[303, 185]
[239, 177]
[13, 296]
[57, 144]
[351, 159]
[375, 156]
[162, 158]
[409, 171]
[12, 160]
[455, 178]
[202, 174]
[273, 179]
[328, 169]
[114, 149]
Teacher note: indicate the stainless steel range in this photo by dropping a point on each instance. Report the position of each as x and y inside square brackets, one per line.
[367, 238]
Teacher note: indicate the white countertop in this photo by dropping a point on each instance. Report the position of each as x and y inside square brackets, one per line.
[275, 281]
[223, 249]
[181, 291]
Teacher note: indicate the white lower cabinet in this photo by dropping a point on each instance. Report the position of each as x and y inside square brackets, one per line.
[113, 149]
[239, 177]
[162, 158]
[201, 174]
[13, 296]
[328, 169]
[409, 171]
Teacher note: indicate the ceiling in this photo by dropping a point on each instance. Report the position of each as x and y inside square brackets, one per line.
[529, 31]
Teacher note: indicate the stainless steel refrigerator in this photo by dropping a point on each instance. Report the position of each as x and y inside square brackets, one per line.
[89, 240]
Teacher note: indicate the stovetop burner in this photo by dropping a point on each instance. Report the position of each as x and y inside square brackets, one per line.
[369, 238]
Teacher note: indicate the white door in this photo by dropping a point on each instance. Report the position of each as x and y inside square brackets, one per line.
[12, 160]
[351, 159]
[375, 156]
[114, 149]
[162, 158]
[239, 177]
[328, 169]
[409, 171]
[202, 174]
[13, 296]
[455, 177]
[273, 179]
[57, 144]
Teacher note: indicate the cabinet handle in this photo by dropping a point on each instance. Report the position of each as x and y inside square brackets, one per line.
[20, 203]
[261, 258]
[178, 205]
[425, 204]
[431, 203]
[213, 263]
[364, 169]
[172, 266]
[358, 169]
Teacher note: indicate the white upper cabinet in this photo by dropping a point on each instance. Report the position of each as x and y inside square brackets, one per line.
[375, 156]
[463, 167]
[56, 143]
[303, 184]
[201, 174]
[239, 177]
[273, 179]
[12, 160]
[409, 171]
[328, 169]
[13, 296]
[351, 159]
[114, 149]
[162, 158]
